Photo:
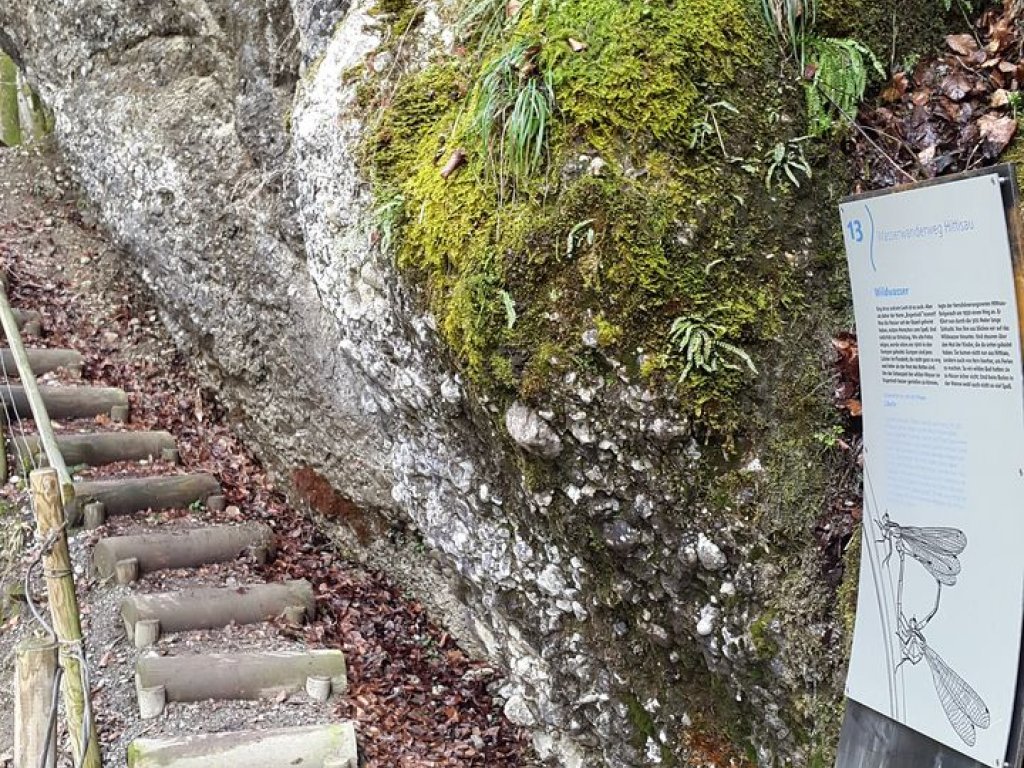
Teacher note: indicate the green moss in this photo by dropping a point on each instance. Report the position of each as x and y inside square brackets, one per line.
[608, 333]
[895, 35]
[10, 121]
[642, 84]
[846, 597]
[663, 231]
[765, 645]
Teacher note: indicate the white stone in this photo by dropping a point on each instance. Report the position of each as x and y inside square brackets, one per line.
[519, 712]
[709, 554]
[706, 622]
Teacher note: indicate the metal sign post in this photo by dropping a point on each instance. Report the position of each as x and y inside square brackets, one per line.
[938, 286]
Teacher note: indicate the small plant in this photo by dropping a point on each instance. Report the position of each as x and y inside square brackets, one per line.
[386, 218]
[829, 438]
[509, 305]
[581, 232]
[791, 22]
[785, 160]
[486, 19]
[698, 343]
[707, 126]
[841, 70]
[1015, 101]
[514, 109]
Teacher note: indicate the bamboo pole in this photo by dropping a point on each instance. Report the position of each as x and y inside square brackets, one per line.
[35, 672]
[31, 389]
[60, 587]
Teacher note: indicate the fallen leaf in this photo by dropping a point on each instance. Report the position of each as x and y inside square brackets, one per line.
[578, 46]
[997, 131]
[965, 45]
[956, 86]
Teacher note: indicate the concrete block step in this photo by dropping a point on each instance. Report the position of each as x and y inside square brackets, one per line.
[122, 496]
[43, 361]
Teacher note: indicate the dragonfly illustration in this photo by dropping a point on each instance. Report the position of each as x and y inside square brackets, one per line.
[936, 548]
[964, 708]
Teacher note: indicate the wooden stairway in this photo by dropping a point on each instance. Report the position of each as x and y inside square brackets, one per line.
[152, 620]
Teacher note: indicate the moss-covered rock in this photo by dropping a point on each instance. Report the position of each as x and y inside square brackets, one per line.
[676, 191]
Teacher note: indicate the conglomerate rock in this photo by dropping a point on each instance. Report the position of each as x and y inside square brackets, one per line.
[653, 595]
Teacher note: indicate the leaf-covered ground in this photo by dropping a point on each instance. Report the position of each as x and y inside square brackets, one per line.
[953, 112]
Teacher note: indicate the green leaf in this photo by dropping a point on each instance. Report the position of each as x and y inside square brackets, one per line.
[510, 308]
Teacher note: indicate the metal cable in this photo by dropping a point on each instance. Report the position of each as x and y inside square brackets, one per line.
[51, 723]
[20, 422]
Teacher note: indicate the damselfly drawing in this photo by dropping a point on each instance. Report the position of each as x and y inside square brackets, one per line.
[936, 548]
[964, 708]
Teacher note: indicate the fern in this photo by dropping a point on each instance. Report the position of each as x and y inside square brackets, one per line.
[842, 69]
[696, 342]
[386, 219]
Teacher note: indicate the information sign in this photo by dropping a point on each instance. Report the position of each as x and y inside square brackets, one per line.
[939, 611]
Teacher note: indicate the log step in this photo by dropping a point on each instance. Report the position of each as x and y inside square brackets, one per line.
[22, 316]
[133, 494]
[159, 679]
[98, 448]
[65, 402]
[211, 608]
[312, 746]
[183, 549]
[43, 361]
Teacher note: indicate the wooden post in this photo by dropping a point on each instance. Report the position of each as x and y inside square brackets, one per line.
[35, 671]
[60, 587]
[35, 400]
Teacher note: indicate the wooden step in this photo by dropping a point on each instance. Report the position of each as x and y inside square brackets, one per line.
[64, 402]
[182, 549]
[22, 316]
[43, 361]
[98, 448]
[310, 746]
[233, 676]
[213, 607]
[123, 496]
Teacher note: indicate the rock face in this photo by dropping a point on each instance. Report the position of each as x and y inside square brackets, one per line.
[639, 624]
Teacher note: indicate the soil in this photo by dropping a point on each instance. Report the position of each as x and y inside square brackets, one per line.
[417, 699]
